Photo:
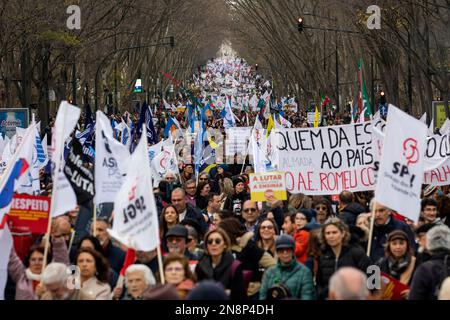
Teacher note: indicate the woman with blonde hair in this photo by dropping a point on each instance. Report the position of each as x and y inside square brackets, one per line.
[337, 253]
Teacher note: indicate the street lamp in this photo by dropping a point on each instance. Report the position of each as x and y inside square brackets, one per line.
[171, 43]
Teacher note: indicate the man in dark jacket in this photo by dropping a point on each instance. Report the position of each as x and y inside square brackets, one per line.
[186, 211]
[383, 226]
[115, 255]
[348, 208]
[429, 276]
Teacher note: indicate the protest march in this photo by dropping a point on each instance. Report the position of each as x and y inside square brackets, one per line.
[225, 190]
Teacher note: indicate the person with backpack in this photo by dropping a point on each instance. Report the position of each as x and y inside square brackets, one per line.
[289, 279]
[218, 264]
[430, 275]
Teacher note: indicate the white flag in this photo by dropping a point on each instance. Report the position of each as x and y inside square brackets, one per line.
[64, 198]
[431, 127]
[135, 214]
[111, 158]
[423, 118]
[402, 164]
[165, 161]
[6, 243]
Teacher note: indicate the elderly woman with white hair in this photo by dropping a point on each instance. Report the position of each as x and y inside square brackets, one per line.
[138, 278]
[430, 275]
[58, 285]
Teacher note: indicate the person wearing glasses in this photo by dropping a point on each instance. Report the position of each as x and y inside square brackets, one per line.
[218, 264]
[178, 273]
[266, 234]
[323, 209]
[191, 190]
[337, 253]
[254, 259]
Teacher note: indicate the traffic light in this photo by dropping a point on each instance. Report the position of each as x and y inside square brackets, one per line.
[172, 42]
[300, 25]
[382, 98]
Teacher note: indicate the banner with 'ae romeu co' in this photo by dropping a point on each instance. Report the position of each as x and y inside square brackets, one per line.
[326, 160]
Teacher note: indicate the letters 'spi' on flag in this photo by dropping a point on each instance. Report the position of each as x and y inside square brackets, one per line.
[402, 164]
[135, 214]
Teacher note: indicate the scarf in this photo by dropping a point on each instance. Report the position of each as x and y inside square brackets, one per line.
[32, 276]
[397, 267]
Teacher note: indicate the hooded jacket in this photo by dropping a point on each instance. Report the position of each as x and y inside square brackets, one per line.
[295, 276]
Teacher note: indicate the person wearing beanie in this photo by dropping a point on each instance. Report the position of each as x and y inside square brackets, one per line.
[235, 202]
[289, 278]
[399, 261]
[430, 275]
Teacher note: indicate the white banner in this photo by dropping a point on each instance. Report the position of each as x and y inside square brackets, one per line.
[237, 140]
[326, 160]
[437, 155]
[135, 214]
[110, 161]
[402, 164]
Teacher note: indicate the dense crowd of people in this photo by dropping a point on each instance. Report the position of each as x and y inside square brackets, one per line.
[218, 243]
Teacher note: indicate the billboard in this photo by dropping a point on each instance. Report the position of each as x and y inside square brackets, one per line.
[11, 118]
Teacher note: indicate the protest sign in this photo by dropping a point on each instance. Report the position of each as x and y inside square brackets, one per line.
[29, 214]
[237, 140]
[326, 160]
[264, 186]
[402, 164]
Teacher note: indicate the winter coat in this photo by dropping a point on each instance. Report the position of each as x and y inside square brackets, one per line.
[223, 273]
[115, 256]
[351, 212]
[328, 264]
[295, 276]
[17, 271]
[253, 258]
[380, 234]
[99, 290]
[196, 215]
[301, 238]
[429, 276]
[405, 277]
[235, 202]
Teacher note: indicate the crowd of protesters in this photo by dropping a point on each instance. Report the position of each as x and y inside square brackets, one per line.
[219, 244]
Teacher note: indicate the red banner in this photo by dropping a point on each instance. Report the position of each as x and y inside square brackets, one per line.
[393, 289]
[29, 214]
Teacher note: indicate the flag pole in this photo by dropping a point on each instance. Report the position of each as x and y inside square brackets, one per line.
[246, 153]
[372, 221]
[94, 220]
[160, 264]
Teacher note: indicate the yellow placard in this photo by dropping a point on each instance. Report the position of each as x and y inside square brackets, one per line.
[264, 186]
